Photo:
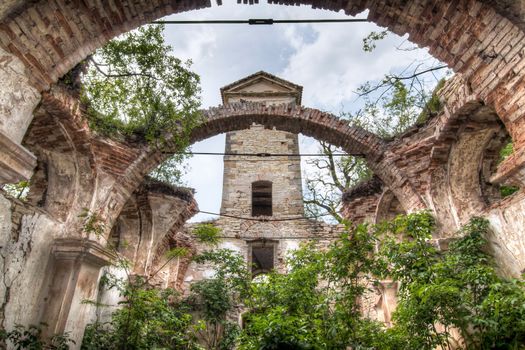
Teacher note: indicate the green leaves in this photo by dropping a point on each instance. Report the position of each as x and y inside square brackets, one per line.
[207, 233]
[21, 338]
[369, 43]
[147, 319]
[216, 298]
[444, 296]
[177, 252]
[135, 86]
[442, 293]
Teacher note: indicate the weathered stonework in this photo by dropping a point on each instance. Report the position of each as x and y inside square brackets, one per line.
[285, 226]
[17, 102]
[448, 166]
[451, 162]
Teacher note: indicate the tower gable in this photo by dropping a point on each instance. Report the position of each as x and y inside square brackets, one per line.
[262, 87]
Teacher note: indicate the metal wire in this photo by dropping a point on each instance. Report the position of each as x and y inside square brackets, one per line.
[261, 155]
[262, 21]
[262, 219]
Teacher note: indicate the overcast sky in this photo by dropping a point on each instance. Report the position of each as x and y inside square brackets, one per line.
[326, 59]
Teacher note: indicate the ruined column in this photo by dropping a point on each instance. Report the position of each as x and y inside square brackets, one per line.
[18, 99]
[76, 270]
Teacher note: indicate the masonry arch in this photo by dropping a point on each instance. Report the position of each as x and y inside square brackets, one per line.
[294, 119]
[319, 125]
[51, 37]
[388, 207]
[464, 163]
[65, 164]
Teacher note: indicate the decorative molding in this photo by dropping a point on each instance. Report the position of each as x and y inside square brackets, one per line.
[83, 250]
[16, 162]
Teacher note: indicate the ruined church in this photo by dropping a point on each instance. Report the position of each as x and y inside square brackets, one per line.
[87, 190]
[262, 200]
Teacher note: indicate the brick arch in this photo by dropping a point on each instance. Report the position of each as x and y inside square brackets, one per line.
[474, 37]
[462, 162]
[320, 125]
[66, 162]
[52, 36]
[294, 119]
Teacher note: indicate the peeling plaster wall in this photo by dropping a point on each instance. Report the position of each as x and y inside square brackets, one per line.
[507, 220]
[18, 98]
[27, 237]
[109, 299]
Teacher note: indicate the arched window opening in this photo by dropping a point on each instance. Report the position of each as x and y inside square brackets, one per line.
[262, 198]
[261, 257]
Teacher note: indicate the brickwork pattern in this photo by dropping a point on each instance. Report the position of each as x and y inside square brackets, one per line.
[51, 36]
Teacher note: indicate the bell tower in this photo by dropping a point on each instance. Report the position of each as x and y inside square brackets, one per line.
[262, 186]
[262, 214]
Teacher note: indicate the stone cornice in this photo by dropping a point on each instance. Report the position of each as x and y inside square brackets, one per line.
[16, 162]
[83, 250]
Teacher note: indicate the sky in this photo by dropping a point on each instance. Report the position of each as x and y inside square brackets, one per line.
[328, 60]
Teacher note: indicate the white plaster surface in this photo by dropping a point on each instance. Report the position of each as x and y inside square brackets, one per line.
[18, 99]
[27, 269]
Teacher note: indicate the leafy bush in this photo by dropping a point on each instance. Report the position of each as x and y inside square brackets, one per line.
[134, 85]
[446, 298]
[31, 338]
[148, 318]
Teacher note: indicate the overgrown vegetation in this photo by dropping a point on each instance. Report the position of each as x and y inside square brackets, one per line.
[30, 338]
[447, 299]
[389, 107]
[149, 318]
[134, 85]
[135, 88]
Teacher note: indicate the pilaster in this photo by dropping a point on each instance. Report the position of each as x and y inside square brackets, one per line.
[16, 162]
[77, 264]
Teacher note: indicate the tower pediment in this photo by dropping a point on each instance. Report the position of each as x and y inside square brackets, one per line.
[262, 87]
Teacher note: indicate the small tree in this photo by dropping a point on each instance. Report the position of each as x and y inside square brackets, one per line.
[398, 108]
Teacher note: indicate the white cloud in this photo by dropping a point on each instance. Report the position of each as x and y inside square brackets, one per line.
[334, 65]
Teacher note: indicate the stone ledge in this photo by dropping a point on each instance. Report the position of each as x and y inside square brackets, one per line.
[16, 162]
[84, 250]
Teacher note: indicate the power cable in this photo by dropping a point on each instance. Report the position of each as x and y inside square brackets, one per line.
[260, 155]
[262, 21]
[261, 219]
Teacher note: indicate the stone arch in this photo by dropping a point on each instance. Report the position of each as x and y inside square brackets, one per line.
[308, 121]
[50, 37]
[65, 163]
[462, 163]
[311, 122]
[388, 207]
[317, 124]
[127, 229]
[172, 274]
